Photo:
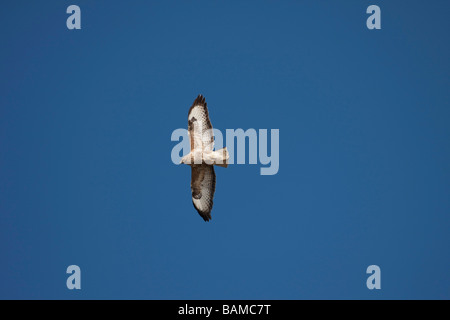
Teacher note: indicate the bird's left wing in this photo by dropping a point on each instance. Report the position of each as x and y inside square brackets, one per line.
[199, 126]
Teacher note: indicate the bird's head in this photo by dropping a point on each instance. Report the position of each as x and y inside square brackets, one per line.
[186, 159]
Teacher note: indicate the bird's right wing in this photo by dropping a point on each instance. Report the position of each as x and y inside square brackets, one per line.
[203, 186]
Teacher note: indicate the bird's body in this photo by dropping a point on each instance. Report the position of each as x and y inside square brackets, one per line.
[198, 156]
[202, 158]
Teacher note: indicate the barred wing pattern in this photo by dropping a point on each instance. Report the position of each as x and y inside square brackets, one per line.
[203, 186]
[199, 126]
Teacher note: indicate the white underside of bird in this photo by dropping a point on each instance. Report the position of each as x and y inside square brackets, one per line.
[218, 158]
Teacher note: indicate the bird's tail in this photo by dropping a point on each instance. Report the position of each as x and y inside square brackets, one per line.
[222, 157]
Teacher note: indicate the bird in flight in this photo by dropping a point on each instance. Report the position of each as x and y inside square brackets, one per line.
[202, 158]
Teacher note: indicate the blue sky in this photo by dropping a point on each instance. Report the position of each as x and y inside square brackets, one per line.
[86, 176]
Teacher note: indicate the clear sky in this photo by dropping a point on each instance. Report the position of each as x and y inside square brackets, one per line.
[86, 176]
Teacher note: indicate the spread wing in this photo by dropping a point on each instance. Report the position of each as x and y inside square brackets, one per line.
[203, 185]
[199, 126]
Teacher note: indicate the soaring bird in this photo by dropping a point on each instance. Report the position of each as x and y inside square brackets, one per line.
[202, 158]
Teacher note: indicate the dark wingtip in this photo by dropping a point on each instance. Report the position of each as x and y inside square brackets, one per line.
[207, 218]
[206, 215]
[200, 100]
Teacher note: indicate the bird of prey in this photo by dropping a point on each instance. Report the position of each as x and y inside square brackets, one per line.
[202, 158]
